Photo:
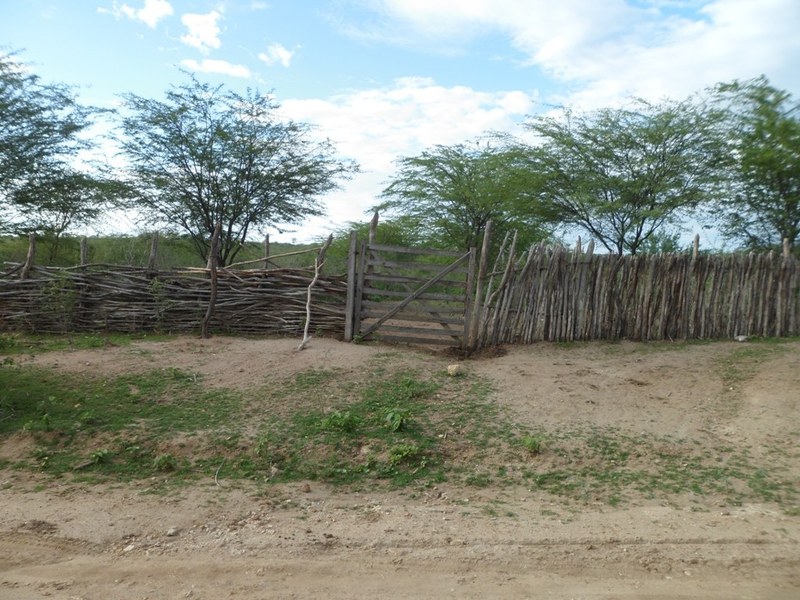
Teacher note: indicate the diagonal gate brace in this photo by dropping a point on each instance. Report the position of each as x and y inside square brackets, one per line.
[421, 290]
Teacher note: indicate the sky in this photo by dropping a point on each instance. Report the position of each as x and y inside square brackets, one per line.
[383, 79]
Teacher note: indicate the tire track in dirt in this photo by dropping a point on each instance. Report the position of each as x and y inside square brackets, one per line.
[20, 547]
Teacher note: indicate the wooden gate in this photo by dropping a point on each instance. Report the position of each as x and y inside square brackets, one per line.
[409, 295]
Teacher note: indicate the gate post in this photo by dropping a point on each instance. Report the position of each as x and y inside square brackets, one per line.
[469, 302]
[349, 317]
[477, 311]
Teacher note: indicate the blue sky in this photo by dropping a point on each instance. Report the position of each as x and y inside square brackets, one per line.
[388, 78]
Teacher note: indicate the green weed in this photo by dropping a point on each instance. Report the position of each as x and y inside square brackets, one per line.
[406, 454]
[101, 456]
[165, 463]
[534, 444]
[340, 421]
[397, 420]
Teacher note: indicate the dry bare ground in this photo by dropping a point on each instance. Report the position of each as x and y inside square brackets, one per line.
[308, 540]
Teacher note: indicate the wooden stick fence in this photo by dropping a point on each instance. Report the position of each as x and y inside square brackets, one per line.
[113, 298]
[544, 294]
[551, 294]
[99, 297]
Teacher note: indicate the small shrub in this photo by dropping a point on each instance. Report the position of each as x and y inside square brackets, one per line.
[396, 420]
[534, 444]
[165, 463]
[9, 342]
[263, 448]
[88, 417]
[340, 421]
[100, 457]
[405, 454]
[480, 480]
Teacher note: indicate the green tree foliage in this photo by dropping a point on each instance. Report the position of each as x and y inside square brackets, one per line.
[449, 193]
[764, 148]
[624, 174]
[53, 202]
[663, 242]
[399, 231]
[41, 127]
[205, 155]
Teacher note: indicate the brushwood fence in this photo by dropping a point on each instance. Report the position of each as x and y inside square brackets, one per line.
[99, 297]
[553, 294]
[120, 299]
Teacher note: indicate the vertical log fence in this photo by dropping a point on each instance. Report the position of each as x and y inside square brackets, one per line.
[553, 294]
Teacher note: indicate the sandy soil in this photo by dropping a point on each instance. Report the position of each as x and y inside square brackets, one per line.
[61, 540]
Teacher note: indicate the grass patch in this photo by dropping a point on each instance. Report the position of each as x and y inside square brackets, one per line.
[388, 427]
[113, 426]
[740, 365]
[30, 343]
[606, 465]
[377, 430]
[391, 426]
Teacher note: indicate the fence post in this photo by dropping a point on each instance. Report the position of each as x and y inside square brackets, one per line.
[373, 229]
[469, 300]
[477, 310]
[212, 267]
[372, 239]
[151, 261]
[696, 246]
[787, 248]
[349, 315]
[26, 269]
[84, 251]
[266, 252]
[359, 291]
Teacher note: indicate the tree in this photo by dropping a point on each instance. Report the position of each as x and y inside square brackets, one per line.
[763, 127]
[205, 155]
[399, 231]
[451, 192]
[53, 202]
[41, 129]
[624, 174]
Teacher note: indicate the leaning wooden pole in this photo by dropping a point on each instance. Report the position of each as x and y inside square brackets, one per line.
[212, 268]
[318, 262]
[26, 269]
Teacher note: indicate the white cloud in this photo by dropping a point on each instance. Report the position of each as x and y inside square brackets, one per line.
[277, 53]
[203, 30]
[220, 67]
[151, 13]
[377, 126]
[734, 39]
[608, 50]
